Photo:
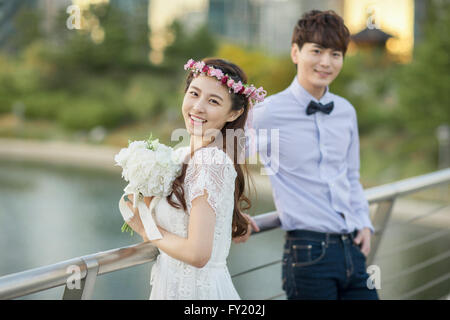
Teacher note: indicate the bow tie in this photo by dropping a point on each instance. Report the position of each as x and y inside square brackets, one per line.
[313, 107]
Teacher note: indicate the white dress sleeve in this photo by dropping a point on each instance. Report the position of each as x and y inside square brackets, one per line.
[212, 170]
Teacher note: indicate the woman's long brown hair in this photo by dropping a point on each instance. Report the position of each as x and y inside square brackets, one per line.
[239, 101]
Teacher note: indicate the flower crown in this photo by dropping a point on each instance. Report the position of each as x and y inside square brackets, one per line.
[250, 91]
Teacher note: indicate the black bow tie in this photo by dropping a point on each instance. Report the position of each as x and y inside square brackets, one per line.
[313, 107]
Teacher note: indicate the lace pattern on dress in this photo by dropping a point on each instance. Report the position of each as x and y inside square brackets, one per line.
[212, 170]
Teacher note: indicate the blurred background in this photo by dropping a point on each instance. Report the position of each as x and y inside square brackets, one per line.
[80, 78]
[121, 74]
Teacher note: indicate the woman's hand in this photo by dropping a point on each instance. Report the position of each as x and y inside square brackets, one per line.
[130, 197]
[135, 223]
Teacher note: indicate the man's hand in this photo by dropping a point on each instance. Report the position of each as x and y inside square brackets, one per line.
[251, 226]
[363, 238]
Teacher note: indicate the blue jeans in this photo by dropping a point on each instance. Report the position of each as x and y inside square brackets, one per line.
[325, 266]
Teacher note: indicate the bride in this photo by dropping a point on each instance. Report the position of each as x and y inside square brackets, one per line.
[199, 218]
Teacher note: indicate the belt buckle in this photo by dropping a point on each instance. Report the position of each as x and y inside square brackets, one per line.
[344, 237]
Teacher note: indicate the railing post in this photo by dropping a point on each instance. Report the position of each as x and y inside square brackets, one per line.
[87, 283]
[380, 220]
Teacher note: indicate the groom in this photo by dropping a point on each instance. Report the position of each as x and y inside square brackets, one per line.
[316, 187]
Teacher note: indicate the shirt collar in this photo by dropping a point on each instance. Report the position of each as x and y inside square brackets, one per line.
[304, 97]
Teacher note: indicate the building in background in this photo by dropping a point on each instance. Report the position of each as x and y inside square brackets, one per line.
[420, 13]
[9, 10]
[263, 24]
[237, 20]
[268, 24]
[395, 18]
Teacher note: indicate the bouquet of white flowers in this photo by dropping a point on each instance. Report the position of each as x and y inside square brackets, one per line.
[150, 168]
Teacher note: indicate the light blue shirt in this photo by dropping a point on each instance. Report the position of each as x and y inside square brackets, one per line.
[315, 166]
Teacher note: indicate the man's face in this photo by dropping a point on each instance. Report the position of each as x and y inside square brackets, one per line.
[316, 66]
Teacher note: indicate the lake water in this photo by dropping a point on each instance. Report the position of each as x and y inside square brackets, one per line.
[53, 213]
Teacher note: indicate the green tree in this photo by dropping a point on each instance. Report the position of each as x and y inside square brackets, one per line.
[198, 45]
[110, 40]
[369, 85]
[424, 85]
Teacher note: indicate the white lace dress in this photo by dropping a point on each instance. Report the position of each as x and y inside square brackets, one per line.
[212, 170]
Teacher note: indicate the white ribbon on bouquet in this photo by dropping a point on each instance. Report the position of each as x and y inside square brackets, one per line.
[147, 215]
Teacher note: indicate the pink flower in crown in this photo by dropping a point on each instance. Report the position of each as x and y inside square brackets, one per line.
[217, 73]
[237, 86]
[249, 91]
[212, 72]
[199, 66]
[260, 93]
[230, 83]
[205, 69]
[189, 64]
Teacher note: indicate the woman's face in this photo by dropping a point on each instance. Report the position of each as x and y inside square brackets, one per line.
[207, 106]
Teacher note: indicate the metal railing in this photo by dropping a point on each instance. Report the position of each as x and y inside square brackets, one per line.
[90, 266]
